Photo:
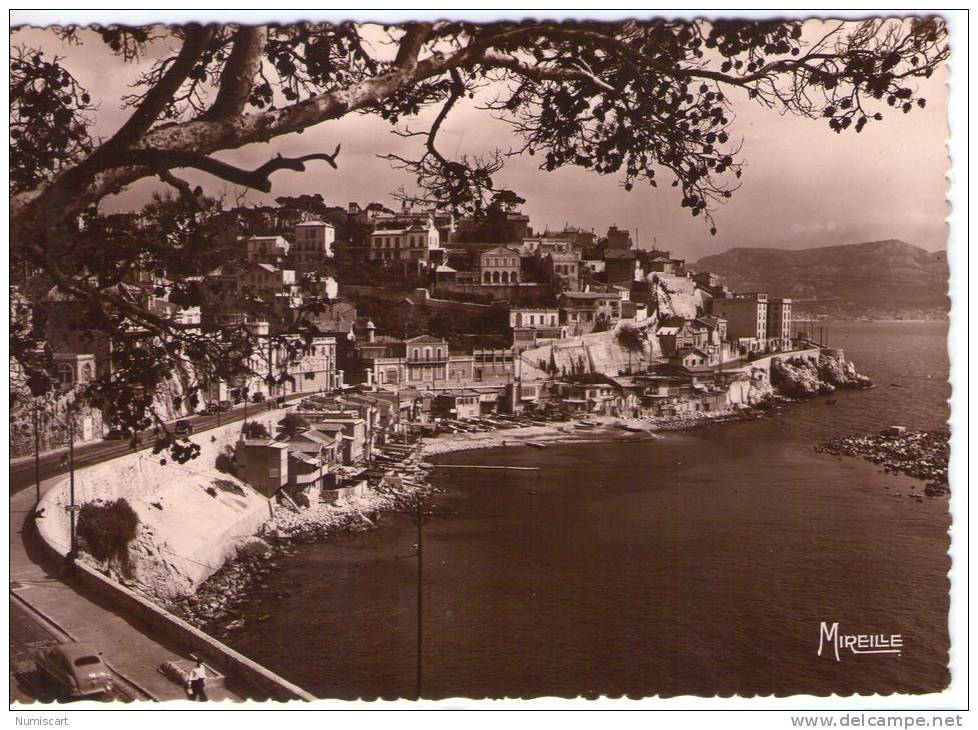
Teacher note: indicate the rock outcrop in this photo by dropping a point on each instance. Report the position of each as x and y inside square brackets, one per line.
[805, 378]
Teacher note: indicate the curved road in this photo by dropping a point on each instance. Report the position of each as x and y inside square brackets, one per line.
[22, 473]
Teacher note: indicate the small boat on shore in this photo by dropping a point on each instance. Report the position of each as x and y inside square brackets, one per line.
[536, 444]
[632, 429]
[585, 424]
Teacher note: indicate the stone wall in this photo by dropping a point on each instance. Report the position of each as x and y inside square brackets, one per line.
[192, 516]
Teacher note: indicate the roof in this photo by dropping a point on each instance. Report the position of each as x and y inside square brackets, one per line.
[710, 321]
[312, 436]
[425, 340]
[314, 222]
[457, 393]
[684, 351]
[588, 295]
[619, 254]
[445, 269]
[271, 443]
[502, 250]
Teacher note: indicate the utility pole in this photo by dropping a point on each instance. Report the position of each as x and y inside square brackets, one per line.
[37, 456]
[418, 671]
[71, 468]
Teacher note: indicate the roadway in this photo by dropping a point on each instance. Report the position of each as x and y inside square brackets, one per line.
[22, 472]
[30, 634]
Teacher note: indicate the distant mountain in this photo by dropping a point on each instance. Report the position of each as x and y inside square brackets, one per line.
[876, 279]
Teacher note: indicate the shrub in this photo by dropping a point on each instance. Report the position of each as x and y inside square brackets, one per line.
[225, 464]
[255, 430]
[106, 529]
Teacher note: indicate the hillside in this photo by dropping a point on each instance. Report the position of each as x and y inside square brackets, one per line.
[874, 279]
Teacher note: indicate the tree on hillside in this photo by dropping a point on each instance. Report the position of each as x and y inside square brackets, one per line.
[648, 101]
[631, 339]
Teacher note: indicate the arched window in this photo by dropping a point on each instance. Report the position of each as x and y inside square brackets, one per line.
[505, 277]
[486, 277]
[427, 353]
[391, 375]
[495, 277]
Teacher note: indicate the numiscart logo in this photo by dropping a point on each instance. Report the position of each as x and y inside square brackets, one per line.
[831, 641]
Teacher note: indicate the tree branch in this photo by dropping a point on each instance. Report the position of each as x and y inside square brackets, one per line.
[164, 160]
[239, 73]
[159, 96]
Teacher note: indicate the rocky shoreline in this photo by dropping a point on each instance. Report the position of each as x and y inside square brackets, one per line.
[923, 455]
[803, 378]
[215, 606]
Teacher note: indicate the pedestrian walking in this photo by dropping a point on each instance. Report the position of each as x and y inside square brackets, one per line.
[196, 680]
[63, 461]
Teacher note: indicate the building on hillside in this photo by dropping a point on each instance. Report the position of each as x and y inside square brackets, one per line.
[73, 370]
[267, 250]
[535, 326]
[499, 265]
[716, 326]
[621, 266]
[707, 279]
[264, 280]
[663, 264]
[585, 312]
[779, 324]
[313, 245]
[461, 368]
[492, 365]
[618, 239]
[565, 268]
[693, 359]
[515, 226]
[746, 315]
[414, 245]
[676, 333]
[456, 404]
[263, 464]
[409, 216]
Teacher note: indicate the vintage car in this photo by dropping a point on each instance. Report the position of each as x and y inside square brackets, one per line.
[76, 669]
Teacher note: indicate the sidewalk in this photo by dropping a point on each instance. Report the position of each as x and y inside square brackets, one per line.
[125, 645]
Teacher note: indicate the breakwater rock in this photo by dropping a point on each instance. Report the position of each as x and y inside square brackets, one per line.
[799, 377]
[920, 454]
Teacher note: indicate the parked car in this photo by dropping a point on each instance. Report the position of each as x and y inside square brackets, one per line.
[211, 408]
[114, 434]
[224, 405]
[77, 670]
[183, 428]
[257, 397]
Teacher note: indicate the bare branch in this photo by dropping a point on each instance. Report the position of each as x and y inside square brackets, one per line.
[258, 178]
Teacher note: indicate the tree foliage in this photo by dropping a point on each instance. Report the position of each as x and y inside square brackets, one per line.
[647, 101]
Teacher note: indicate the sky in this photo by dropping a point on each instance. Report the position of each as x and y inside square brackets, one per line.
[803, 185]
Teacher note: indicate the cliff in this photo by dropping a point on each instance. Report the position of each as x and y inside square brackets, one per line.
[804, 378]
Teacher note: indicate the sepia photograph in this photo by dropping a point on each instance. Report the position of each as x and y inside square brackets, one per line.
[436, 357]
